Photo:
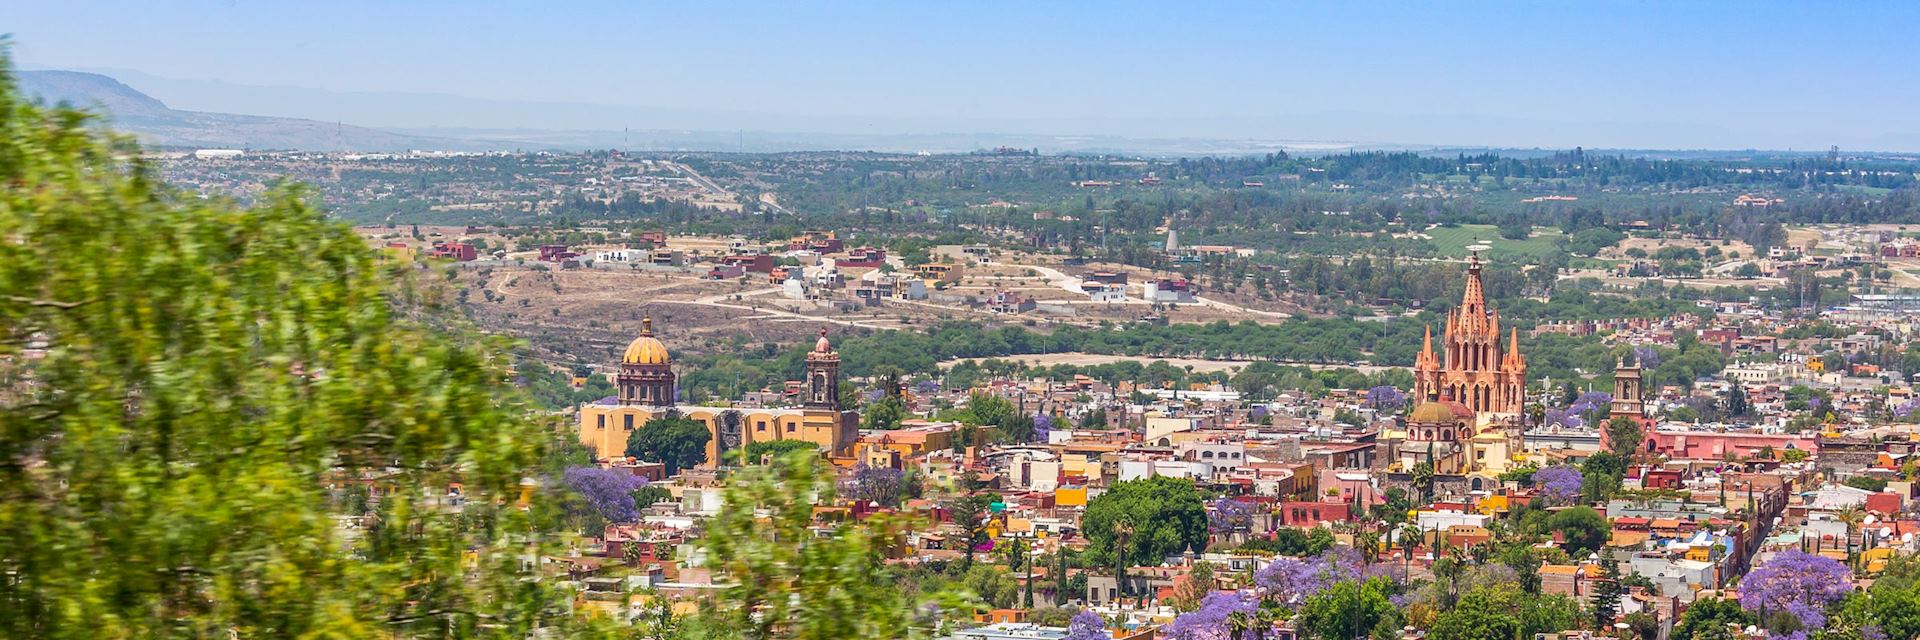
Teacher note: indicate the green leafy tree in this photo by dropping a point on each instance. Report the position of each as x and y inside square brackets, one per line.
[885, 413]
[1624, 436]
[1601, 474]
[1481, 614]
[183, 381]
[1584, 529]
[673, 440]
[789, 581]
[970, 514]
[757, 451]
[1348, 610]
[1737, 405]
[1193, 587]
[1709, 619]
[1166, 516]
[1547, 613]
[1607, 591]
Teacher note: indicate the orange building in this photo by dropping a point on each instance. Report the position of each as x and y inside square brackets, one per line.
[1471, 367]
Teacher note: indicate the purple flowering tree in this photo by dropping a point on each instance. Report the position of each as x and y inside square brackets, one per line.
[883, 485]
[1592, 406]
[1647, 357]
[1227, 515]
[1564, 418]
[1559, 484]
[608, 491]
[1799, 584]
[1385, 398]
[1087, 625]
[1220, 616]
[926, 387]
[1293, 580]
[1042, 425]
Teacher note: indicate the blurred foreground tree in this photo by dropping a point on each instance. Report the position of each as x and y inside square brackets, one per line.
[191, 392]
[787, 580]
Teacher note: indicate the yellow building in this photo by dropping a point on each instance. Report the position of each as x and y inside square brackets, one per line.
[648, 389]
[1447, 436]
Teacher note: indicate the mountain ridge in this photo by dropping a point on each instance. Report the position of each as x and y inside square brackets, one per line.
[156, 124]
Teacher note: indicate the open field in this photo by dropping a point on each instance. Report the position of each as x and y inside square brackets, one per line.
[1654, 245]
[1453, 241]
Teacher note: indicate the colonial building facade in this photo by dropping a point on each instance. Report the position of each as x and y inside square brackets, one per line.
[648, 389]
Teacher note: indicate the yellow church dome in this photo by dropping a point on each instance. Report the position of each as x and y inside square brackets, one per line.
[1440, 411]
[646, 349]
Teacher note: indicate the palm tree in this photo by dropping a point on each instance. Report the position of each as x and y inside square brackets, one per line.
[1122, 531]
[1852, 517]
[1409, 535]
[1369, 544]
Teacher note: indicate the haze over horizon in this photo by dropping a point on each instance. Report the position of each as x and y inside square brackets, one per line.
[1704, 75]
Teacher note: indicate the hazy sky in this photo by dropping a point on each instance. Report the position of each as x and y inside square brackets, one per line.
[1671, 74]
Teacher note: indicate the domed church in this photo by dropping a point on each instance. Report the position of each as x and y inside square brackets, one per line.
[649, 389]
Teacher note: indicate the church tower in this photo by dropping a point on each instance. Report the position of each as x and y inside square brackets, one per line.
[1629, 390]
[1471, 366]
[823, 375]
[646, 371]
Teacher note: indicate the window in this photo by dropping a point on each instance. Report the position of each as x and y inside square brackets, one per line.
[603, 421]
[760, 426]
[629, 418]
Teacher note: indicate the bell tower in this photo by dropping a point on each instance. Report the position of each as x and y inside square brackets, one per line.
[1629, 391]
[823, 376]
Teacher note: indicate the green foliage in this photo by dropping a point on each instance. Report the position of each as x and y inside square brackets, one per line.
[1601, 475]
[1588, 242]
[1349, 609]
[1481, 614]
[673, 440]
[789, 581]
[1624, 436]
[1708, 619]
[885, 413]
[757, 451]
[1866, 483]
[208, 372]
[1584, 529]
[1165, 514]
[1892, 605]
[1607, 591]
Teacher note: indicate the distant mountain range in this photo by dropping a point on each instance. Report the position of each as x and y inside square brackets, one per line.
[425, 121]
[159, 125]
[155, 123]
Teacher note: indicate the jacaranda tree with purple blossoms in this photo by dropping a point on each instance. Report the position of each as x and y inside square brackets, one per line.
[1228, 515]
[1558, 484]
[1592, 406]
[1222, 616]
[1087, 625]
[1791, 592]
[883, 485]
[1042, 425]
[1386, 398]
[1293, 580]
[608, 491]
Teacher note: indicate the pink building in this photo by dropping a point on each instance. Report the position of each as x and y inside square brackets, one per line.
[1709, 445]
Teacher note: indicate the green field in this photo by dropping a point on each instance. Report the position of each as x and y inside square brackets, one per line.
[1453, 241]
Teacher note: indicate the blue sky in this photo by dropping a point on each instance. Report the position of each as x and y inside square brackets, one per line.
[1612, 74]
